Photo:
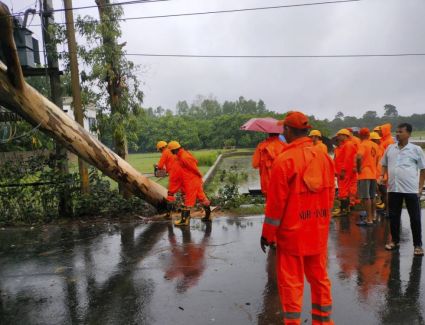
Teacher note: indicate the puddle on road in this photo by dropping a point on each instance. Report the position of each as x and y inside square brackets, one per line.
[160, 274]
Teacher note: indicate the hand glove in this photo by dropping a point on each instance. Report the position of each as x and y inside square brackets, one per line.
[264, 243]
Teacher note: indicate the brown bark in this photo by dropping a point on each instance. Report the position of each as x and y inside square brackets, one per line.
[76, 91]
[18, 96]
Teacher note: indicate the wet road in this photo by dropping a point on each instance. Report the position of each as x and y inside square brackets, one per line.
[157, 274]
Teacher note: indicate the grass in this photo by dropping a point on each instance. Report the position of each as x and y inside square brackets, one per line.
[254, 209]
[143, 162]
[418, 134]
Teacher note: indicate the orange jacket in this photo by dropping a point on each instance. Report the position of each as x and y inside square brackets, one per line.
[189, 166]
[320, 145]
[356, 141]
[345, 157]
[167, 160]
[368, 153]
[379, 166]
[264, 156]
[386, 139]
[300, 197]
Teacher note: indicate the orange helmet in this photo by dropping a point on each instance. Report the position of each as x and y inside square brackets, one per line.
[161, 144]
[174, 145]
[343, 132]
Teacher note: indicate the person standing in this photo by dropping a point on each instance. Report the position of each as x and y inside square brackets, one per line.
[264, 156]
[298, 205]
[367, 161]
[191, 179]
[316, 136]
[381, 188]
[346, 170]
[404, 163]
[385, 133]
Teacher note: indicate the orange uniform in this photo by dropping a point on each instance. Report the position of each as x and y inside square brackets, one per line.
[368, 151]
[386, 139]
[300, 197]
[356, 141]
[380, 153]
[169, 162]
[191, 179]
[353, 184]
[320, 145]
[345, 161]
[263, 158]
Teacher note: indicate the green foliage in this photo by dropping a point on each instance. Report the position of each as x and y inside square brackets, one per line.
[228, 196]
[103, 201]
[110, 79]
[20, 204]
[28, 204]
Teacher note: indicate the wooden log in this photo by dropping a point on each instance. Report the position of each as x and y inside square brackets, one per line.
[19, 97]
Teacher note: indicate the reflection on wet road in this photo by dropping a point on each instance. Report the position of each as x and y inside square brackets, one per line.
[159, 274]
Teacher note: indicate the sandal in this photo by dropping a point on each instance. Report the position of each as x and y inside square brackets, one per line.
[418, 251]
[392, 246]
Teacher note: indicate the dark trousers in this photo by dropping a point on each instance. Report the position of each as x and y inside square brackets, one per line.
[395, 204]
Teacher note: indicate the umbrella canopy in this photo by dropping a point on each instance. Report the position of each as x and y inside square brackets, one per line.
[262, 124]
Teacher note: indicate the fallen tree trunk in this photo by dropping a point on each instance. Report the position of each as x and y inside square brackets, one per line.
[21, 98]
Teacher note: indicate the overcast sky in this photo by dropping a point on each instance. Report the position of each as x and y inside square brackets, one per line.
[319, 86]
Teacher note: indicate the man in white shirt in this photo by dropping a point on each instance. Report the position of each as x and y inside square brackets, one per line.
[405, 164]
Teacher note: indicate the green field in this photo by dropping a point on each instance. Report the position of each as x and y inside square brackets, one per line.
[144, 162]
[418, 134]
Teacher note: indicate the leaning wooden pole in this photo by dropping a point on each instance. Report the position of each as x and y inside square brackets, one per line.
[18, 96]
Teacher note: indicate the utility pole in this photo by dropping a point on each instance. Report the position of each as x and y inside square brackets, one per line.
[65, 205]
[75, 84]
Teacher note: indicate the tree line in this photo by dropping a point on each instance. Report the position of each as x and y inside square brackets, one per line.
[207, 123]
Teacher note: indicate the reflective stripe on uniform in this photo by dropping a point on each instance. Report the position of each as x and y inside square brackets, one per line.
[321, 318]
[291, 315]
[272, 222]
[318, 307]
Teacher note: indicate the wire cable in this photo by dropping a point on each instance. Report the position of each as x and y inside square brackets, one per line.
[95, 6]
[3, 141]
[227, 11]
[276, 56]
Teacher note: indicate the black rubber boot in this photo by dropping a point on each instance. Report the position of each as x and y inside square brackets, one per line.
[207, 217]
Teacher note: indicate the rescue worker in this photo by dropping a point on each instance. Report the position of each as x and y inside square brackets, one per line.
[298, 204]
[367, 161]
[354, 136]
[384, 132]
[168, 161]
[381, 189]
[191, 179]
[345, 170]
[316, 136]
[264, 156]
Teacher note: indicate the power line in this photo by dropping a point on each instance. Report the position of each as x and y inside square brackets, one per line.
[95, 6]
[276, 56]
[232, 56]
[231, 10]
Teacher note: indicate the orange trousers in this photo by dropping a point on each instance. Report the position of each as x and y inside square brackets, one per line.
[354, 197]
[193, 190]
[290, 276]
[347, 187]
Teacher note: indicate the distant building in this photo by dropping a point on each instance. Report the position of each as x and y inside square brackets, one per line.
[89, 115]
